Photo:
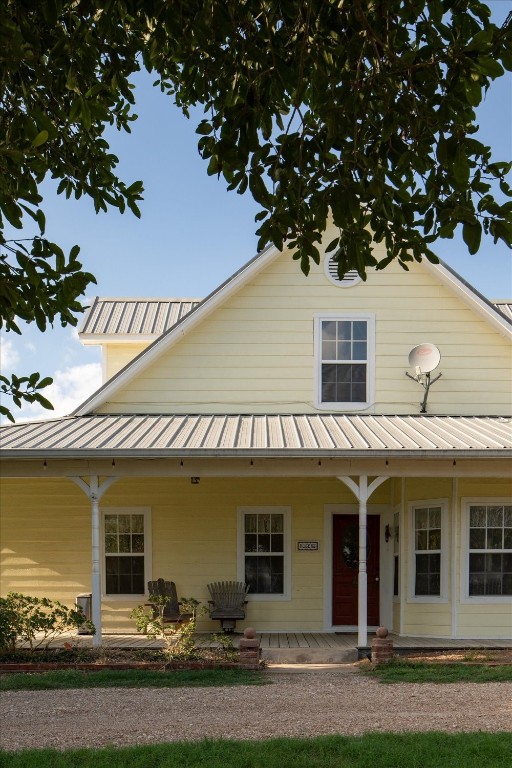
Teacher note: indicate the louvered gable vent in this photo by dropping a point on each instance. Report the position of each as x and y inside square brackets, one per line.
[349, 279]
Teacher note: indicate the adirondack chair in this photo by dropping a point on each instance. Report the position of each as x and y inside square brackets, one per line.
[228, 602]
[172, 611]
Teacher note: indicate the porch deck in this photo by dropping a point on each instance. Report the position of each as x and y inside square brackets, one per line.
[304, 647]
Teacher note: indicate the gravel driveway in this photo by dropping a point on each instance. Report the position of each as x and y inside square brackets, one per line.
[305, 702]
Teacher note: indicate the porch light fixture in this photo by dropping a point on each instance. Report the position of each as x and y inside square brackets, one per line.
[387, 533]
[44, 464]
[195, 480]
[181, 463]
[113, 462]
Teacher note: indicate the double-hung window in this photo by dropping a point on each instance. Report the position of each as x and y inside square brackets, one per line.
[489, 561]
[264, 551]
[345, 361]
[126, 541]
[428, 561]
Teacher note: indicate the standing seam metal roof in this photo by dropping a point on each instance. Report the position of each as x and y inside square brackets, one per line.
[273, 434]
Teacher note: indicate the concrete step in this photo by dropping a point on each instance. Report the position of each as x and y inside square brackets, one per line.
[309, 655]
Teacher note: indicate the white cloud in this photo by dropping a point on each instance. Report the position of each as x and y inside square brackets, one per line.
[71, 386]
[9, 356]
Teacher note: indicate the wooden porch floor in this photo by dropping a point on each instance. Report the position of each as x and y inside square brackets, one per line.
[296, 641]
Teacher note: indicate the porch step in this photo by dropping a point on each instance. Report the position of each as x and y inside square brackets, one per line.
[309, 655]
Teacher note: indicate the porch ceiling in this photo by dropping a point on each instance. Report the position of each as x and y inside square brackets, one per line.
[260, 436]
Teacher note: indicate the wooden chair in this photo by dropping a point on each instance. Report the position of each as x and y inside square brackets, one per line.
[228, 600]
[172, 612]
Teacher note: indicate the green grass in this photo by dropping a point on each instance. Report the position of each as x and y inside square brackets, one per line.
[406, 671]
[386, 750]
[129, 678]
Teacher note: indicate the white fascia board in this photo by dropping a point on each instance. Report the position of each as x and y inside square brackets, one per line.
[178, 331]
[469, 295]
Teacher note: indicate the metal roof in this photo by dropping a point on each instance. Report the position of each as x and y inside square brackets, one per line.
[259, 435]
[134, 317]
[505, 307]
[151, 317]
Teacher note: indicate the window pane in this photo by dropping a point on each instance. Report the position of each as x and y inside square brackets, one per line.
[421, 540]
[329, 374]
[343, 393]
[421, 518]
[277, 542]
[494, 538]
[344, 350]
[328, 393]
[264, 574]
[477, 517]
[124, 523]
[329, 329]
[507, 584]
[251, 542]
[329, 350]
[359, 329]
[434, 517]
[358, 393]
[359, 350]
[434, 539]
[110, 523]
[111, 543]
[395, 577]
[124, 542]
[477, 538]
[494, 517]
[277, 523]
[344, 330]
[264, 542]
[507, 514]
[264, 523]
[137, 523]
[124, 575]
[507, 538]
[137, 543]
[251, 523]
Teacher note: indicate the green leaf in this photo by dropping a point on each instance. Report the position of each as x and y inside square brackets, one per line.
[472, 235]
[41, 137]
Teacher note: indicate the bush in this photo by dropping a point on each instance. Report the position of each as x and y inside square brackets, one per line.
[178, 637]
[36, 621]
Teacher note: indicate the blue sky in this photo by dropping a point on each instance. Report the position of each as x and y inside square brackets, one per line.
[192, 233]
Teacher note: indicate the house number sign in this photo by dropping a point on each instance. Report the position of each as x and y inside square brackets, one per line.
[307, 546]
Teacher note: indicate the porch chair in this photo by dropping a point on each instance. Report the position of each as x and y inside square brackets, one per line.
[228, 600]
[172, 611]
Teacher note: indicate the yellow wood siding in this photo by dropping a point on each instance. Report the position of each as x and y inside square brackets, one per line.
[46, 545]
[256, 351]
[116, 356]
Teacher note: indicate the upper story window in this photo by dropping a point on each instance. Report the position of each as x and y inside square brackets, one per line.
[345, 351]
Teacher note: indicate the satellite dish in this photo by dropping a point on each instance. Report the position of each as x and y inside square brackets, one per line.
[424, 358]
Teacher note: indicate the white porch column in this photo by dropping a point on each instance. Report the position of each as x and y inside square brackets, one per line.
[95, 491]
[362, 491]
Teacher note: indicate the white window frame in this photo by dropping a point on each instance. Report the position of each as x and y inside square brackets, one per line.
[148, 565]
[369, 318]
[445, 550]
[465, 597]
[287, 567]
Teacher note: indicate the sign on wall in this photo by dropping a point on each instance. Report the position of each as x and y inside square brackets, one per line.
[308, 546]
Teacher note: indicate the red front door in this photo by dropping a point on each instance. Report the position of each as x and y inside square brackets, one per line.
[345, 566]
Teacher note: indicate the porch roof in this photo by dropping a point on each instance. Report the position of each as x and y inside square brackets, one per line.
[275, 435]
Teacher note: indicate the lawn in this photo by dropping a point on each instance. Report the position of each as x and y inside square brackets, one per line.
[425, 750]
[407, 671]
[130, 678]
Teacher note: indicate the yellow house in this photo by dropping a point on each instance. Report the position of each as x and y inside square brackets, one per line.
[269, 433]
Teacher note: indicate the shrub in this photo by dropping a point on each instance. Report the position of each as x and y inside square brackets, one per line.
[178, 636]
[36, 621]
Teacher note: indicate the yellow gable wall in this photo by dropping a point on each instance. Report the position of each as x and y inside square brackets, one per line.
[256, 352]
[116, 356]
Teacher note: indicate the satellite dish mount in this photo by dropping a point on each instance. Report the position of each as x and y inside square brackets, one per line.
[424, 359]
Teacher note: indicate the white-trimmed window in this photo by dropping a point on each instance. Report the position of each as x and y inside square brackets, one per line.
[428, 560]
[396, 554]
[345, 352]
[126, 544]
[488, 537]
[264, 551]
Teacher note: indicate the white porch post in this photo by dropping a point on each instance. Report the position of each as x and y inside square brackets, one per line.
[95, 491]
[362, 491]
